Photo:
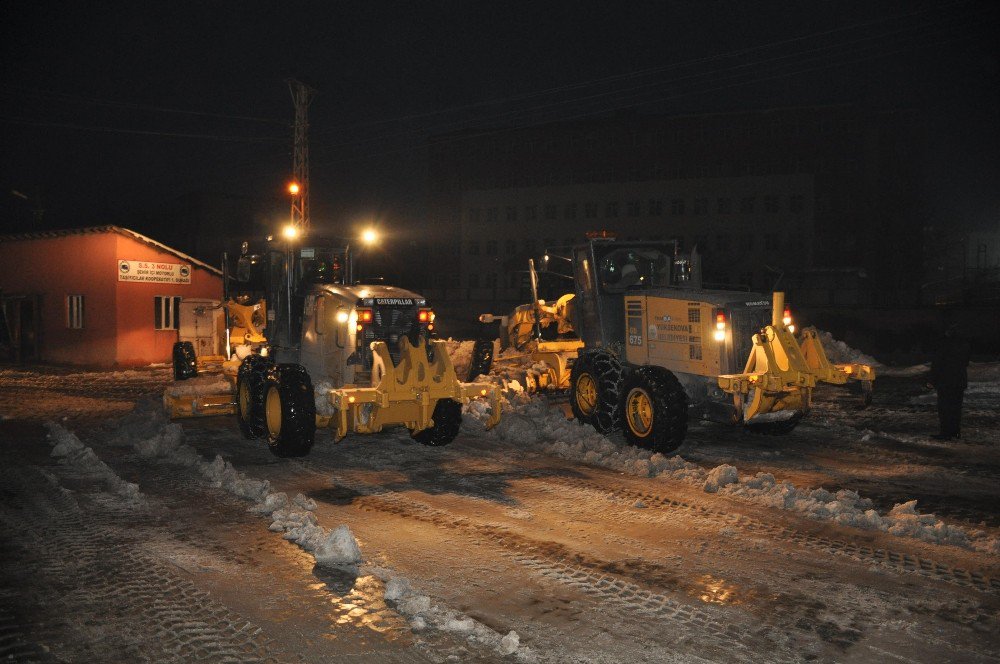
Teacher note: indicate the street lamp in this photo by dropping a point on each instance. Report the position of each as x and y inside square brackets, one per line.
[290, 232]
[369, 236]
[293, 188]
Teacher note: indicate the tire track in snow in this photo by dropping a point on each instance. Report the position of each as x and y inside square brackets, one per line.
[100, 570]
[554, 562]
[895, 560]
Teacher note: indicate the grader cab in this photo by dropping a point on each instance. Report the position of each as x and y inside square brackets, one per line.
[307, 347]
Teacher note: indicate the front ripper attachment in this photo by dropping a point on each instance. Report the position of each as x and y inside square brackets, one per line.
[836, 374]
[776, 378]
[405, 393]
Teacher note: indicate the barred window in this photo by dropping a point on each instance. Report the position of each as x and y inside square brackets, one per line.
[165, 310]
[74, 312]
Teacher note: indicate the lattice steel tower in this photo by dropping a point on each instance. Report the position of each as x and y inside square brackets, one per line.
[302, 96]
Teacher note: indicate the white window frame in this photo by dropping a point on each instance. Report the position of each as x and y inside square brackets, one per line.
[74, 312]
[166, 308]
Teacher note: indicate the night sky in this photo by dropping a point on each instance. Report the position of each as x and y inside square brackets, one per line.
[110, 110]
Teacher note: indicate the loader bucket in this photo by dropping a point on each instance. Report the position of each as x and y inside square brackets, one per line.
[776, 378]
[405, 392]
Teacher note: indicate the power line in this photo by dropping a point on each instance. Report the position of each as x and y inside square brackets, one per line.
[454, 139]
[65, 97]
[638, 73]
[516, 114]
[140, 132]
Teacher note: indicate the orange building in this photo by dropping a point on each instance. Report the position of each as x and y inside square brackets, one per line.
[103, 296]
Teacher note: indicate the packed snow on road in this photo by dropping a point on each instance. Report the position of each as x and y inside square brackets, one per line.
[856, 537]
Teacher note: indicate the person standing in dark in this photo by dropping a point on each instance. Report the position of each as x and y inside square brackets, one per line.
[949, 377]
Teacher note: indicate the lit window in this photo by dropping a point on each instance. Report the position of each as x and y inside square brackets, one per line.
[165, 312]
[74, 312]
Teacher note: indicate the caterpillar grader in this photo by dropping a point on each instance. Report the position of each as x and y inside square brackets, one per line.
[306, 347]
[641, 346]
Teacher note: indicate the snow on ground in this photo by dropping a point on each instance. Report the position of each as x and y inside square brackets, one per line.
[154, 437]
[530, 422]
[72, 453]
[985, 393]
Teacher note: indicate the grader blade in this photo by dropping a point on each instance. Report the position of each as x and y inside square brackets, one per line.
[776, 379]
[406, 392]
[200, 397]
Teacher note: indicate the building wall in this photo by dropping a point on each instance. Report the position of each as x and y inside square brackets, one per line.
[138, 342]
[118, 322]
[737, 223]
[54, 268]
[864, 166]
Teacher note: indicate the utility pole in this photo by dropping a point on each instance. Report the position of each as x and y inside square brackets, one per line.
[302, 96]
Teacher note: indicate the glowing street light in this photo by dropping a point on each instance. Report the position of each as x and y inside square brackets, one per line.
[369, 236]
[293, 188]
[290, 232]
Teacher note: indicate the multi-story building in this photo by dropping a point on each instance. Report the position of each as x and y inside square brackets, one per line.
[826, 198]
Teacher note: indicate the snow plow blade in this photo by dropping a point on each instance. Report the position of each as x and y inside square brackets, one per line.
[776, 378]
[181, 401]
[405, 393]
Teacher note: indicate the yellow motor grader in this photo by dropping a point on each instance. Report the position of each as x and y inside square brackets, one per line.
[640, 343]
[308, 347]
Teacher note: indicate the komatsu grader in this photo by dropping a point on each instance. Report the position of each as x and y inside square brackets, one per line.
[307, 347]
[641, 344]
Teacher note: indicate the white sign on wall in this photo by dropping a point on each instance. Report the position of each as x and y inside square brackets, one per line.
[153, 272]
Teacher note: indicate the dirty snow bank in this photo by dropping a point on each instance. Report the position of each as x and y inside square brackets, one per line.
[295, 519]
[199, 386]
[73, 453]
[529, 422]
[423, 614]
[840, 353]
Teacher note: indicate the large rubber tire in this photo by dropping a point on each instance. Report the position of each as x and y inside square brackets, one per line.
[654, 409]
[447, 421]
[482, 359]
[185, 363]
[250, 381]
[289, 411]
[594, 388]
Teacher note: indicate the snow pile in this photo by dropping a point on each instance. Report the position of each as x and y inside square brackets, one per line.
[73, 453]
[321, 394]
[719, 477]
[422, 614]
[339, 548]
[840, 353]
[460, 353]
[199, 386]
[529, 422]
[295, 518]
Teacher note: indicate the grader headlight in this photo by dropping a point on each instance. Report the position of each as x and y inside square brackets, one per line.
[720, 326]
